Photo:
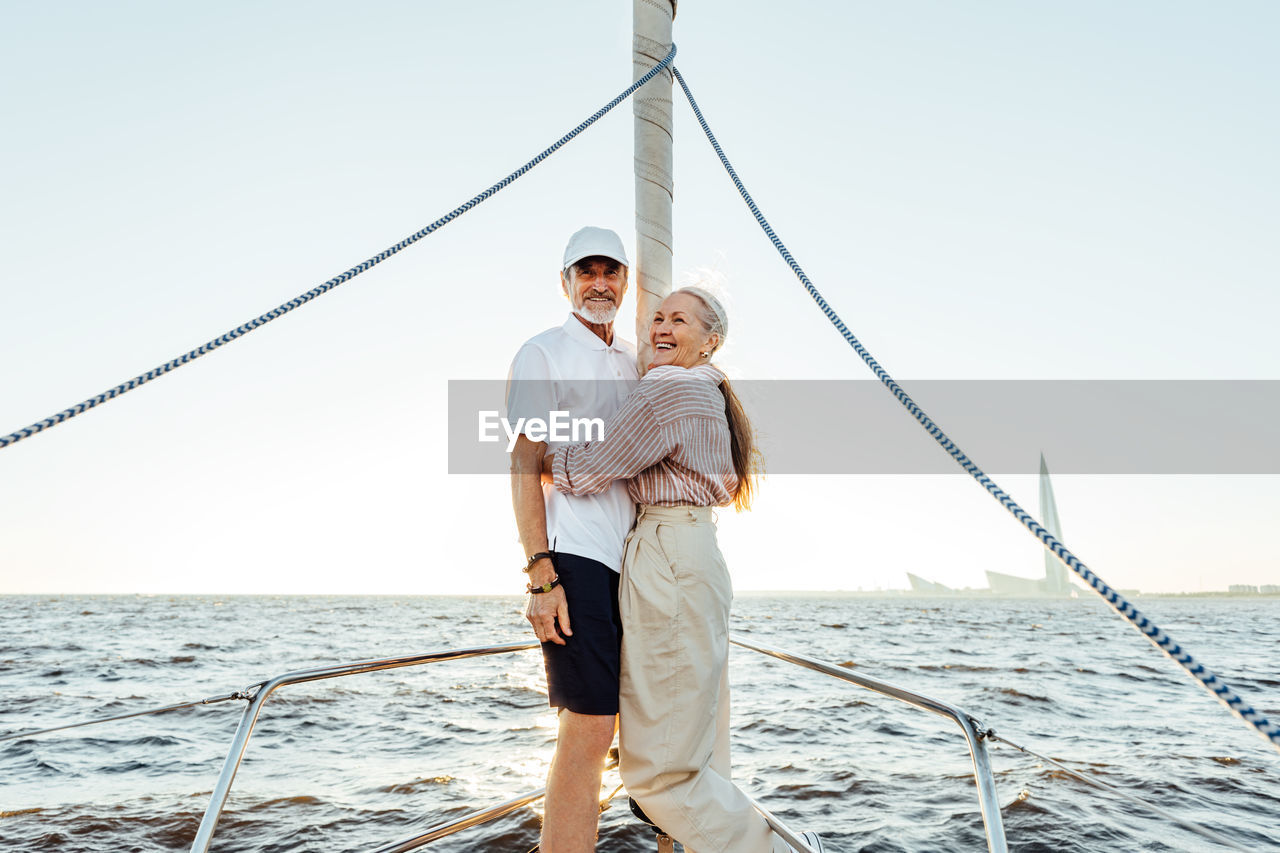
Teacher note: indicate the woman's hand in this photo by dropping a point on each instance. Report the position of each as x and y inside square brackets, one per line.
[546, 468]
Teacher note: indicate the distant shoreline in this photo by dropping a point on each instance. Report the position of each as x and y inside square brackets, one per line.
[965, 595]
[987, 595]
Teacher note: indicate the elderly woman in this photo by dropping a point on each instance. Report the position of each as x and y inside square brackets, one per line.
[685, 445]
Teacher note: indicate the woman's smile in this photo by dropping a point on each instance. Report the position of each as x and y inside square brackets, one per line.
[676, 335]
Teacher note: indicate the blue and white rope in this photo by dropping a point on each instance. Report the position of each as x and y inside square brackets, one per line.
[240, 331]
[1153, 632]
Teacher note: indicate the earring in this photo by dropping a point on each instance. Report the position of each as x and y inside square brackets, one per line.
[705, 354]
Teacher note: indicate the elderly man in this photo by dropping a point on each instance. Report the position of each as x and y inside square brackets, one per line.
[574, 545]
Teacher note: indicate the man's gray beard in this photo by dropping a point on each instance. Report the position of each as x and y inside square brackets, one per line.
[596, 315]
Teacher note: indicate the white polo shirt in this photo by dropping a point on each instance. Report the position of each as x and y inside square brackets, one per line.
[569, 369]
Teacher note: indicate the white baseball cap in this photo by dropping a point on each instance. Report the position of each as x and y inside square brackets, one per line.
[590, 242]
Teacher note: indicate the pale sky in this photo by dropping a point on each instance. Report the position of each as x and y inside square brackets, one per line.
[984, 191]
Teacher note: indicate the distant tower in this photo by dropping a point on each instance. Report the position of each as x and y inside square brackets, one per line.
[1055, 573]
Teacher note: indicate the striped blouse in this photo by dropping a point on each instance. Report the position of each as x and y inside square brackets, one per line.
[670, 439]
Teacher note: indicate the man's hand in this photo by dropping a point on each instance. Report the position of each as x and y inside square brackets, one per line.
[544, 610]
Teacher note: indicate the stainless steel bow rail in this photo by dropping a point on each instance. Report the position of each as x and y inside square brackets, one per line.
[257, 695]
[971, 729]
[217, 801]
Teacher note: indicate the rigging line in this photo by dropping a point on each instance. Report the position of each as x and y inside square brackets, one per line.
[1234, 702]
[212, 700]
[1083, 777]
[244, 329]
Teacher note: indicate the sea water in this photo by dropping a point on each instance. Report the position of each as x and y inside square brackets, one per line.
[353, 763]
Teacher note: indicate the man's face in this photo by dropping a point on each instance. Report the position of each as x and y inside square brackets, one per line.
[595, 287]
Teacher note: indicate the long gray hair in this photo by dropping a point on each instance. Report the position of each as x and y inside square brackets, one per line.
[746, 457]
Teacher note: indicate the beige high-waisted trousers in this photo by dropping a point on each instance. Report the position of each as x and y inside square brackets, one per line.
[674, 700]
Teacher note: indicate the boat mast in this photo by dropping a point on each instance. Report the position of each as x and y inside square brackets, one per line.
[651, 107]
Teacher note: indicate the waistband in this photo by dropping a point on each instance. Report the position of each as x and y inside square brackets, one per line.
[674, 514]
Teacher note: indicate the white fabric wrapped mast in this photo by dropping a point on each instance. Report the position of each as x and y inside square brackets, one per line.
[651, 272]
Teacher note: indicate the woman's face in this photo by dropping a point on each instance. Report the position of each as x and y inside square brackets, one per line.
[677, 335]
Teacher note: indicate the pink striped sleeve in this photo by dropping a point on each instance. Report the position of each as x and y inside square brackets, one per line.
[633, 440]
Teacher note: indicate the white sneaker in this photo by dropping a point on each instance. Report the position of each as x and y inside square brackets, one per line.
[812, 839]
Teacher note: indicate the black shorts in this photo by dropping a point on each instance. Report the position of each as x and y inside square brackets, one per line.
[582, 675]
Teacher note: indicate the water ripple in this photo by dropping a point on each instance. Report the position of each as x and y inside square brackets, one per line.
[379, 757]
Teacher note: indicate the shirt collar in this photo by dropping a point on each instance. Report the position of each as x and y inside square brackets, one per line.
[703, 372]
[574, 329]
[709, 372]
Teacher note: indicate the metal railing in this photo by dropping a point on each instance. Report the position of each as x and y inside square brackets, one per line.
[218, 801]
[981, 764]
[471, 819]
[986, 783]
